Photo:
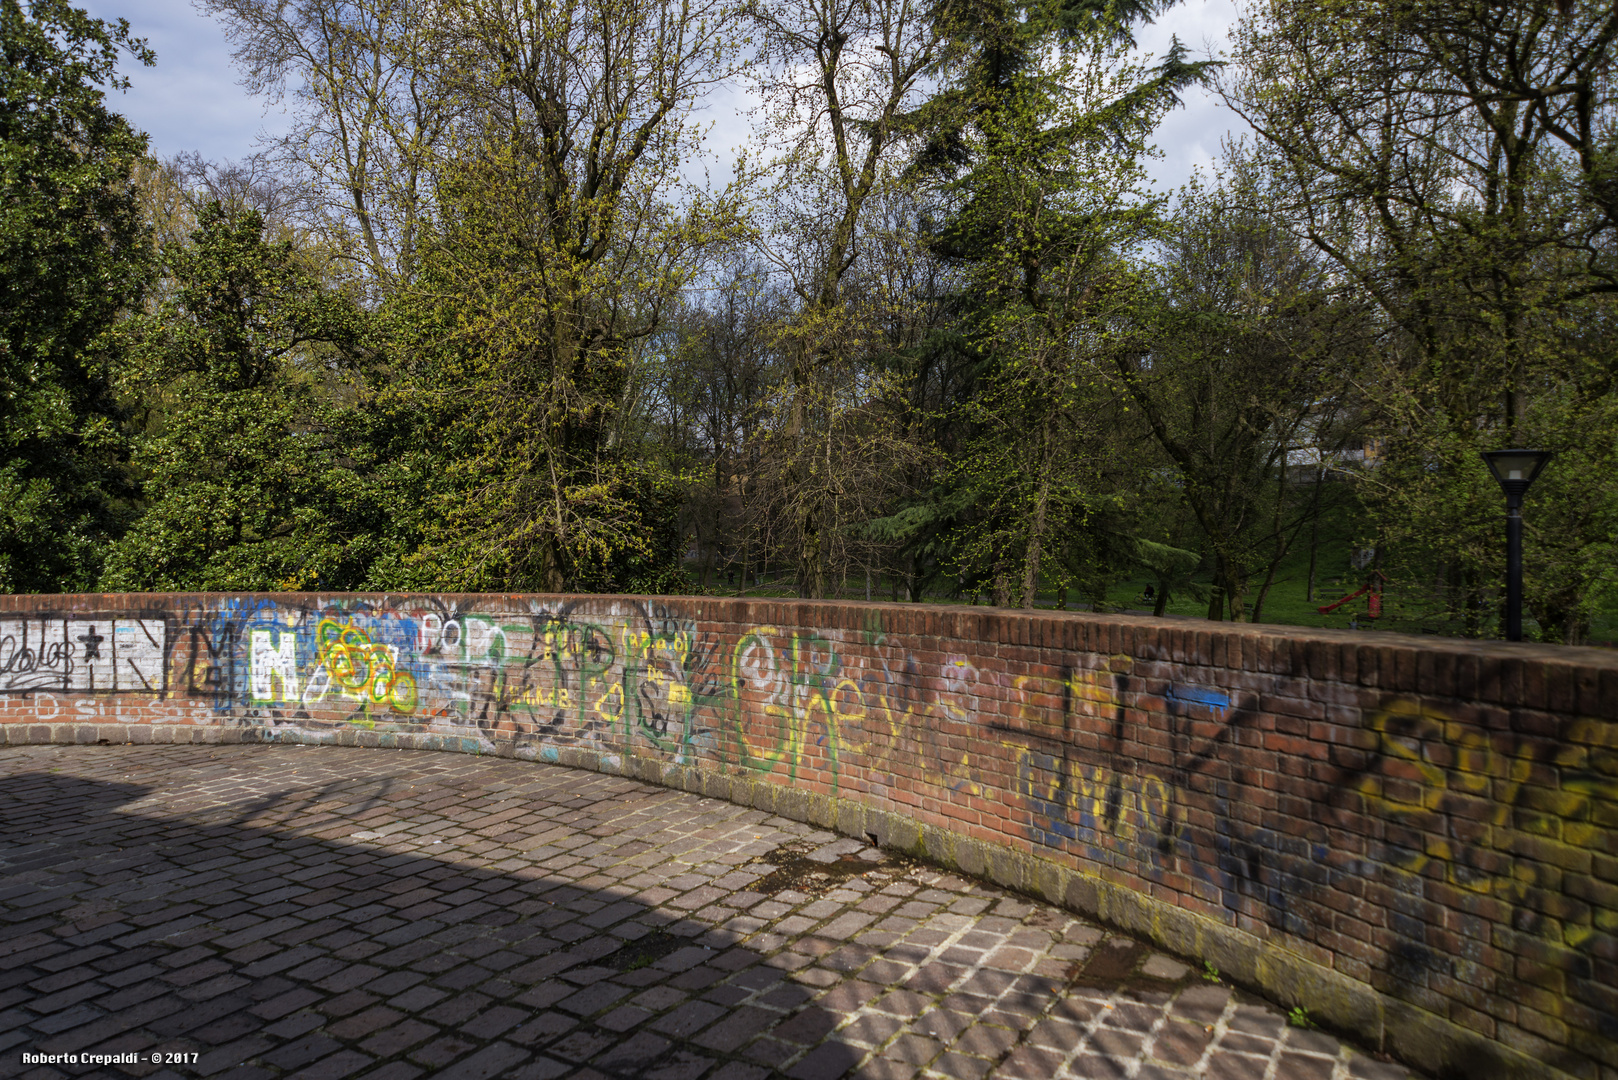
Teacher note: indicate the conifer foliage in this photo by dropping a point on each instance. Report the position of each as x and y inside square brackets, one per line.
[499, 312]
[73, 258]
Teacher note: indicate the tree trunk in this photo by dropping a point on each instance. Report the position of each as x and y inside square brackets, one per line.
[551, 578]
[1036, 535]
[1000, 594]
[1234, 582]
[1314, 540]
[1283, 544]
[705, 554]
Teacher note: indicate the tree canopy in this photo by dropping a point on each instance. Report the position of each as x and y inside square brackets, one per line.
[482, 319]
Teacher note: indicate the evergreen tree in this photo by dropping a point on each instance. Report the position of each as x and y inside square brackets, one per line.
[1037, 143]
[73, 257]
[253, 475]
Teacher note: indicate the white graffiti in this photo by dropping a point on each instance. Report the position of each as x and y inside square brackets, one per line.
[273, 655]
[82, 654]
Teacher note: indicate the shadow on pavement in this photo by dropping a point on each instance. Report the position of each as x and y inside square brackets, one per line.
[265, 953]
[281, 912]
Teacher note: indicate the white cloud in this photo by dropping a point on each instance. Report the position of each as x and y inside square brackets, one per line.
[1190, 135]
[191, 100]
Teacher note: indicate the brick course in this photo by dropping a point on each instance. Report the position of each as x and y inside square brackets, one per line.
[1414, 838]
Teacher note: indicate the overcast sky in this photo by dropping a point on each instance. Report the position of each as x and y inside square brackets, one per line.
[192, 100]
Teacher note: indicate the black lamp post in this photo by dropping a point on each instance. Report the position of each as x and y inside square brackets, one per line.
[1515, 469]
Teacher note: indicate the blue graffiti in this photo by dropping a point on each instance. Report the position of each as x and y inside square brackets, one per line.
[1198, 695]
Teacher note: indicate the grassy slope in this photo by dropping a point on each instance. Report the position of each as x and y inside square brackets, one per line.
[1285, 605]
[1334, 578]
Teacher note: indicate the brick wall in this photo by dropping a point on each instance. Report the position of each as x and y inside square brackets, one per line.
[1416, 839]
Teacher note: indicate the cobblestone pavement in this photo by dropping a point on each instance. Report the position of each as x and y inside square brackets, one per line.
[269, 911]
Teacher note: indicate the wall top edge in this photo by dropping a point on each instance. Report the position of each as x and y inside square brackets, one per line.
[947, 620]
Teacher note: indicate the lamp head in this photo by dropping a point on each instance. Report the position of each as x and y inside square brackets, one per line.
[1516, 469]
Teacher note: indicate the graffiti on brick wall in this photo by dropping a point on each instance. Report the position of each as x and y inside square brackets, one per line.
[1109, 817]
[633, 673]
[360, 669]
[1524, 822]
[84, 655]
[1123, 763]
[794, 684]
[903, 730]
[1128, 765]
[616, 675]
[1063, 734]
[1090, 792]
[621, 676]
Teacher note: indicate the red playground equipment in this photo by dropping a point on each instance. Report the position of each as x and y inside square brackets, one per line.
[1373, 601]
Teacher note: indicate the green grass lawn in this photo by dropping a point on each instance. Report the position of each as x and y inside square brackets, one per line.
[1286, 604]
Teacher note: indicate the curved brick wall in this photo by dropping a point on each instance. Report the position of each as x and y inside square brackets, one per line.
[1415, 839]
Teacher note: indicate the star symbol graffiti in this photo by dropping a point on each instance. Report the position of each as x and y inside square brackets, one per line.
[92, 644]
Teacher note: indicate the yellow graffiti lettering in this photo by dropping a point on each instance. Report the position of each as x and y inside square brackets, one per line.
[600, 705]
[365, 669]
[1477, 804]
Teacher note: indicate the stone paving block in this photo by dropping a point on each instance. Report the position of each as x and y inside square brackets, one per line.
[1115, 1044]
[301, 1052]
[1256, 1020]
[543, 1028]
[1301, 1067]
[828, 1061]
[1158, 966]
[1202, 1003]
[1182, 1044]
[679, 1065]
[1154, 1071]
[1365, 1067]
[1223, 1066]
[338, 1065]
[497, 918]
[1243, 1043]
[941, 1024]
[736, 1029]
[1030, 1063]
[393, 1070]
[1099, 1067]
[396, 1039]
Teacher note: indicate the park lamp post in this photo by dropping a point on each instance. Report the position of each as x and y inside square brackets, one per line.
[1515, 469]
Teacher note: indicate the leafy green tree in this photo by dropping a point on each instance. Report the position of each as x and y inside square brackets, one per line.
[1248, 366]
[556, 252]
[1454, 161]
[840, 77]
[363, 80]
[250, 460]
[1038, 142]
[73, 258]
[717, 370]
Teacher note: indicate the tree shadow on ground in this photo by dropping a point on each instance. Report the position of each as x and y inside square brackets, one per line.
[210, 922]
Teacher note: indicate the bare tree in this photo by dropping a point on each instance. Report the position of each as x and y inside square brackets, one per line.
[566, 232]
[839, 77]
[369, 113]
